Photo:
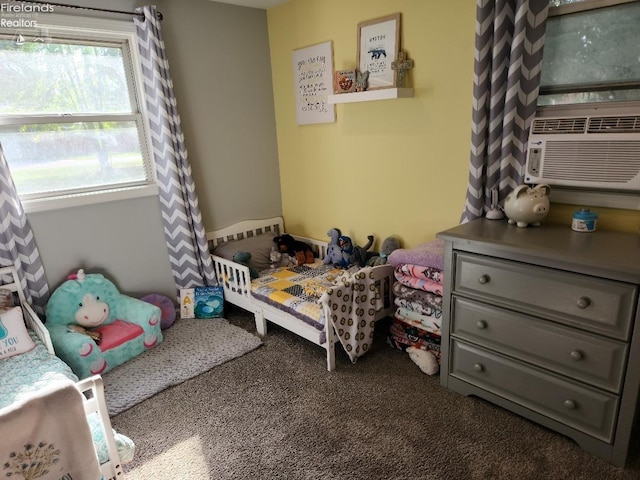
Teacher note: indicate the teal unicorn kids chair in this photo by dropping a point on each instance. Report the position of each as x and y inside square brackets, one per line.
[95, 328]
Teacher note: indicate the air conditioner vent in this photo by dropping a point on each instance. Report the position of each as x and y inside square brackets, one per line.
[595, 161]
[627, 124]
[548, 126]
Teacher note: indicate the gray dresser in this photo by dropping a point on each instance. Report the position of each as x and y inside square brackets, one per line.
[541, 321]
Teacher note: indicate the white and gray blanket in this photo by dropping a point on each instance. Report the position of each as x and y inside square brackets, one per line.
[46, 436]
[354, 302]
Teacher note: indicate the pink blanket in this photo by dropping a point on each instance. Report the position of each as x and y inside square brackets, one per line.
[419, 284]
[418, 271]
[429, 254]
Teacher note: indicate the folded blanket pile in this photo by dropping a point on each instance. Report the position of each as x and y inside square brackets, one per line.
[418, 297]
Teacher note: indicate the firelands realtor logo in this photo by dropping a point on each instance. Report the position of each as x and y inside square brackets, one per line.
[22, 15]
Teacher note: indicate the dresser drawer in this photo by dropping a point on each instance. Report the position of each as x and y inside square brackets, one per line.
[602, 306]
[586, 409]
[581, 356]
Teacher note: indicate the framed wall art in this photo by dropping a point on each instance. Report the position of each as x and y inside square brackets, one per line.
[313, 82]
[378, 46]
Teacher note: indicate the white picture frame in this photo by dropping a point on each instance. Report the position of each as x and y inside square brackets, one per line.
[313, 83]
[378, 47]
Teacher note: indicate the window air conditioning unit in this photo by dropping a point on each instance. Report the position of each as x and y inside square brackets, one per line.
[596, 152]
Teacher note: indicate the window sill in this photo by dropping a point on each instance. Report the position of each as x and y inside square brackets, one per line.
[82, 199]
[623, 201]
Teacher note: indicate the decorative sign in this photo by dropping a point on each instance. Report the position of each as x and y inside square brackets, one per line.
[313, 82]
[378, 45]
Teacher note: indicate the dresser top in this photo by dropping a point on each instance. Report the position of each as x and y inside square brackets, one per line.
[601, 250]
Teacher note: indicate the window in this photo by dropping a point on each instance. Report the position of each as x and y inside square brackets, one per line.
[591, 69]
[591, 53]
[71, 119]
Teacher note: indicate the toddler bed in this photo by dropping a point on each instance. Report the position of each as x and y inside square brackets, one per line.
[25, 375]
[300, 298]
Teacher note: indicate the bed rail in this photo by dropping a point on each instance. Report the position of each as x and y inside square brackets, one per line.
[93, 390]
[247, 228]
[31, 318]
[236, 280]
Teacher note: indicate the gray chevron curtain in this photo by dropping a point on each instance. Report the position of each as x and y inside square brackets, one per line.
[508, 60]
[184, 232]
[17, 243]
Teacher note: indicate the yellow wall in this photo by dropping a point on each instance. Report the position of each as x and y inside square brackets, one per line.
[391, 167]
[608, 218]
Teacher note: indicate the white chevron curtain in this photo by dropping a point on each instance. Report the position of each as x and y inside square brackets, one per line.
[508, 60]
[184, 232]
[17, 243]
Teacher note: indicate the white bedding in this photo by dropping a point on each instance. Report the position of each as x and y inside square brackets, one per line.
[45, 435]
[25, 374]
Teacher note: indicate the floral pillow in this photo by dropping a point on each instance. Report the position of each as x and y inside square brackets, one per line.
[14, 337]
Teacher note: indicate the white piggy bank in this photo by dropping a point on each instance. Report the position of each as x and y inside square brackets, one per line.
[527, 206]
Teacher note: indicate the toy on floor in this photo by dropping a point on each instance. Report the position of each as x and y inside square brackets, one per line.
[166, 306]
[426, 360]
[300, 250]
[127, 326]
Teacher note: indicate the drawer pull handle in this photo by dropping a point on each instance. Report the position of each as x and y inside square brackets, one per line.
[484, 279]
[481, 324]
[584, 302]
[570, 404]
[478, 367]
[577, 355]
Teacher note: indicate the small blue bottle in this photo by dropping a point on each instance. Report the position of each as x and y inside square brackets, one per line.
[584, 220]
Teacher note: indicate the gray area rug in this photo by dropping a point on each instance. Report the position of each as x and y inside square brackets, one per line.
[277, 414]
[190, 347]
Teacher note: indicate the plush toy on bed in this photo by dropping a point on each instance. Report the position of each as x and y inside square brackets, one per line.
[302, 251]
[389, 245]
[126, 326]
[243, 259]
[346, 250]
[360, 254]
[334, 253]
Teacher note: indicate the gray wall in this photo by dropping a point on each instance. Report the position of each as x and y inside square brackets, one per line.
[219, 60]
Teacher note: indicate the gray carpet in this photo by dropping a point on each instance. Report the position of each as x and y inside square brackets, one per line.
[190, 347]
[276, 413]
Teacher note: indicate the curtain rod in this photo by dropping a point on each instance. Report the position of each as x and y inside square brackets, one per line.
[94, 9]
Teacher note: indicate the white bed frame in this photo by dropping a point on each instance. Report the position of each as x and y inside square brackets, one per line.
[236, 281]
[92, 388]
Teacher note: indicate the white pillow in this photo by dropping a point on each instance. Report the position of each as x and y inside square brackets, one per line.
[14, 338]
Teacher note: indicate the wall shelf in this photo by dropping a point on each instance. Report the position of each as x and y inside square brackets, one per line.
[371, 95]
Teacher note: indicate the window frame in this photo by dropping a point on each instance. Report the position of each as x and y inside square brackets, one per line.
[592, 197]
[96, 31]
